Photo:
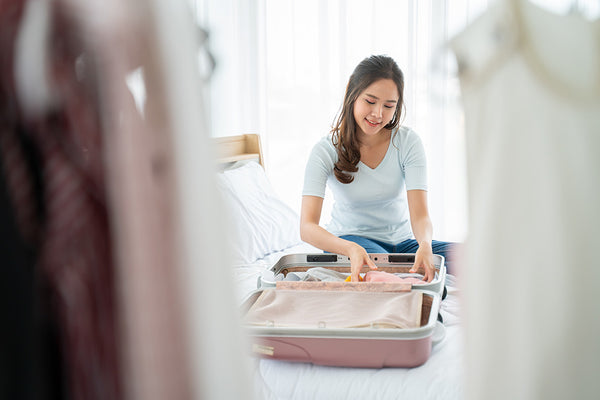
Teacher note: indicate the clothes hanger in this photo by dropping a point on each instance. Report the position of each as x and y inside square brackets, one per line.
[32, 85]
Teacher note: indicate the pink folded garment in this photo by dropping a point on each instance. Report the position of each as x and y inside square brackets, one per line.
[381, 276]
[336, 309]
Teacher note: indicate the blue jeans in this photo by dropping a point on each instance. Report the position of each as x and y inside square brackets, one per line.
[408, 246]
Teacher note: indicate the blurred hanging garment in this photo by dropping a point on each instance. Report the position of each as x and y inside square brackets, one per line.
[31, 363]
[53, 164]
[105, 233]
[530, 83]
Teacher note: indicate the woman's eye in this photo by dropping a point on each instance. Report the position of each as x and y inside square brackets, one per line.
[388, 106]
[369, 101]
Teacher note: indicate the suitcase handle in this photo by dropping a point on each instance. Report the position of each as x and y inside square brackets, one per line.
[401, 258]
[321, 258]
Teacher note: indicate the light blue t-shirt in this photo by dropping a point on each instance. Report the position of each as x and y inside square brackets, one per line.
[374, 204]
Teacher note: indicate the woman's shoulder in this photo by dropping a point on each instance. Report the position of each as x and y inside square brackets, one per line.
[324, 149]
[404, 133]
[403, 136]
[325, 144]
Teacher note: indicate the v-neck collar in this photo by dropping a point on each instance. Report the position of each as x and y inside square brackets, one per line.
[385, 157]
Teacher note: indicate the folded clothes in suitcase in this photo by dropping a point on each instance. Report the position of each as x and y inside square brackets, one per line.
[394, 263]
[370, 325]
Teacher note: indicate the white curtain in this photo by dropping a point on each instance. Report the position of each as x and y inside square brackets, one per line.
[282, 67]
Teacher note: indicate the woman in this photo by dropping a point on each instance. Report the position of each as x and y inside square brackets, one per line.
[367, 161]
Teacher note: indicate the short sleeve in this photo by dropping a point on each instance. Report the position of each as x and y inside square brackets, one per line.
[413, 161]
[318, 168]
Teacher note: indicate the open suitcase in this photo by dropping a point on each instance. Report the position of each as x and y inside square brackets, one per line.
[372, 345]
[392, 263]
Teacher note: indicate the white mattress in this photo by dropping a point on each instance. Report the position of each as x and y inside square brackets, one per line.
[439, 378]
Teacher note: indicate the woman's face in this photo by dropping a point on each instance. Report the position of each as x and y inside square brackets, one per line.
[375, 106]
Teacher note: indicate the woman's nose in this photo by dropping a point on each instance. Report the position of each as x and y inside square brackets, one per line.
[377, 111]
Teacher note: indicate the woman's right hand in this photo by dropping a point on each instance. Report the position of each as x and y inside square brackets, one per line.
[358, 259]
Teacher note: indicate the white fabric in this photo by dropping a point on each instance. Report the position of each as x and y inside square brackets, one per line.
[531, 90]
[247, 275]
[260, 223]
[374, 204]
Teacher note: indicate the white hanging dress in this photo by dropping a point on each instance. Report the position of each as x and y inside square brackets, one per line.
[530, 83]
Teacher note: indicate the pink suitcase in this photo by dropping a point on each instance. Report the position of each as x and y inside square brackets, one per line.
[368, 347]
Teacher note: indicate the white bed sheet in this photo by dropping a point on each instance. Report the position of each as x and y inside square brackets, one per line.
[441, 377]
[246, 276]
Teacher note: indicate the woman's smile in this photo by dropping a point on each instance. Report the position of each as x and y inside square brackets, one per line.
[373, 124]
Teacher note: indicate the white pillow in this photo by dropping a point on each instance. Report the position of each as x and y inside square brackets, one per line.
[259, 222]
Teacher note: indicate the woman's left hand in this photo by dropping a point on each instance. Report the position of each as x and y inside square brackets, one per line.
[424, 261]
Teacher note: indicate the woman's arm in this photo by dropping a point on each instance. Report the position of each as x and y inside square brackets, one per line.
[423, 231]
[311, 232]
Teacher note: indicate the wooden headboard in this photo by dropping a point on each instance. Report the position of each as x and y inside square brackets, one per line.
[240, 147]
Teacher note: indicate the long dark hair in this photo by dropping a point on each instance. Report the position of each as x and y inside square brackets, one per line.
[343, 132]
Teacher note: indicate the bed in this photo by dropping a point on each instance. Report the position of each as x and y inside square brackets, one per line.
[263, 229]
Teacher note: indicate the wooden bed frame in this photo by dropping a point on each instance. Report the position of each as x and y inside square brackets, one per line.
[240, 147]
